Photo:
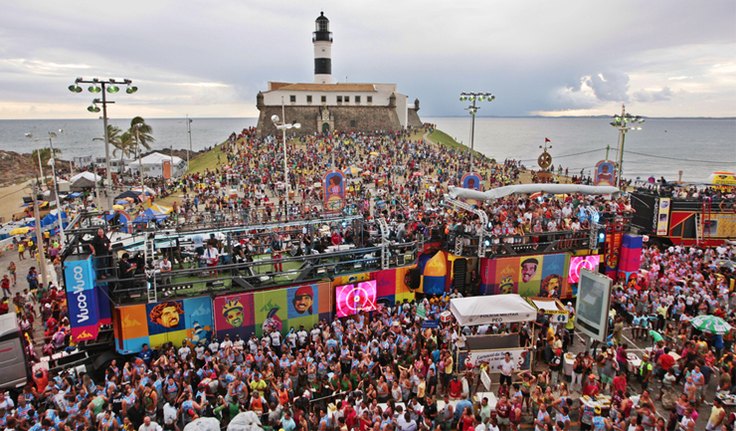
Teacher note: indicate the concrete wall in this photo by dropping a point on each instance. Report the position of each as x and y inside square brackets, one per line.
[345, 118]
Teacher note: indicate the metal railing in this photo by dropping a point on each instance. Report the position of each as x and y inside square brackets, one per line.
[467, 245]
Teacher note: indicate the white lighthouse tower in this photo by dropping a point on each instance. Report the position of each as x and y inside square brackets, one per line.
[322, 40]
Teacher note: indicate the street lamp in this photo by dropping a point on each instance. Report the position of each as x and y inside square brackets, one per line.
[52, 162]
[62, 239]
[624, 123]
[284, 126]
[137, 127]
[104, 86]
[189, 131]
[474, 97]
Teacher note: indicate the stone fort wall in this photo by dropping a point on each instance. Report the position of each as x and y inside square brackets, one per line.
[344, 118]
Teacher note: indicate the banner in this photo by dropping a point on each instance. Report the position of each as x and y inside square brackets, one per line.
[470, 181]
[538, 275]
[663, 216]
[171, 321]
[334, 186]
[613, 251]
[495, 358]
[79, 279]
[247, 314]
[605, 173]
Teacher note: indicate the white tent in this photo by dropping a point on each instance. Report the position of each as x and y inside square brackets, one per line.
[91, 176]
[481, 310]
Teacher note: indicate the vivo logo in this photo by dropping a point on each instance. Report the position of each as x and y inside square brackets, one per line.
[80, 297]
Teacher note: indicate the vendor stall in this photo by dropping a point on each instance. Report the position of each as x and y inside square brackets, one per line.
[493, 311]
[551, 307]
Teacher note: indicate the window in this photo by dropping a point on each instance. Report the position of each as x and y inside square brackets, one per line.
[309, 99]
[369, 99]
[324, 99]
[339, 99]
[292, 98]
[347, 99]
[357, 99]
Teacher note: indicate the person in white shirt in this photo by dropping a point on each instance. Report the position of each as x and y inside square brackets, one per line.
[149, 425]
[184, 351]
[164, 268]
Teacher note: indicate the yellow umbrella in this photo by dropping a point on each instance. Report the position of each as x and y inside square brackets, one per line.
[373, 153]
[20, 230]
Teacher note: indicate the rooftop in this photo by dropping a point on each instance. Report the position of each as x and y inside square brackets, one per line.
[342, 87]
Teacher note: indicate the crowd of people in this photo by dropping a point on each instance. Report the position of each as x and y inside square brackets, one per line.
[386, 370]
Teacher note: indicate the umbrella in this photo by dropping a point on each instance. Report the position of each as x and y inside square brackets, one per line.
[352, 170]
[245, 421]
[711, 324]
[656, 336]
[373, 153]
[20, 231]
[203, 424]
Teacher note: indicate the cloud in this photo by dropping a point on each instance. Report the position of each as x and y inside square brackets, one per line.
[661, 95]
[609, 86]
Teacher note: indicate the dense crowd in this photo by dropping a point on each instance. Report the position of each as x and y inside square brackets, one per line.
[385, 370]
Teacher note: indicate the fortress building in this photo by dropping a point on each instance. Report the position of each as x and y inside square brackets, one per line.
[324, 106]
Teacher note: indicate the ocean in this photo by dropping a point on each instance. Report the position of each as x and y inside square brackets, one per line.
[662, 147]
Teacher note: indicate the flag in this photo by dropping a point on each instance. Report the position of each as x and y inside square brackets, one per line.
[546, 140]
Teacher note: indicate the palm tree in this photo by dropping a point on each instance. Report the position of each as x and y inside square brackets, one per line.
[142, 133]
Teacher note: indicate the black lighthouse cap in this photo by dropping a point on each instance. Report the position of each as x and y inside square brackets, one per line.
[322, 29]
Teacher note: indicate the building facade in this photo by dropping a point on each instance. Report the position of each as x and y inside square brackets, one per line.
[324, 106]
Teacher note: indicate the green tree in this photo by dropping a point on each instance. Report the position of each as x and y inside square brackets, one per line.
[142, 133]
[45, 154]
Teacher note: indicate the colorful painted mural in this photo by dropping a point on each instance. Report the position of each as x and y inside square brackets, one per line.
[162, 322]
[539, 275]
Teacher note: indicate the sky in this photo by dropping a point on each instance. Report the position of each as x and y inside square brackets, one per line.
[662, 58]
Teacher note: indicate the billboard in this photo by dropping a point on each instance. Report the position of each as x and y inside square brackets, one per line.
[605, 173]
[593, 302]
[496, 358]
[82, 298]
[538, 275]
[577, 263]
[355, 298]
[166, 321]
[334, 187]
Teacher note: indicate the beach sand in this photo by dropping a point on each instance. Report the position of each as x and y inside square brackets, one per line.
[11, 199]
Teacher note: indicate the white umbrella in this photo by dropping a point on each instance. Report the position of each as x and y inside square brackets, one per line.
[203, 424]
[245, 421]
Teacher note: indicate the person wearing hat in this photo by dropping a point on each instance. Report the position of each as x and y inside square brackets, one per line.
[303, 300]
[591, 388]
[644, 374]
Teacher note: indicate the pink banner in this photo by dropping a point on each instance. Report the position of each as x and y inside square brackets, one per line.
[354, 298]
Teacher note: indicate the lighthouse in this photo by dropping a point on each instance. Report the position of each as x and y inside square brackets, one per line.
[322, 40]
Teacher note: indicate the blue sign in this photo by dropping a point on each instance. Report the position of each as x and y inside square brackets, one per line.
[81, 295]
[430, 324]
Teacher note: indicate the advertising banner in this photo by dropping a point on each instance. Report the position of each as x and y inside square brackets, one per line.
[519, 356]
[334, 187]
[82, 300]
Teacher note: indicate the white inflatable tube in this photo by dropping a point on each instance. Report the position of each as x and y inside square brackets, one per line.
[497, 193]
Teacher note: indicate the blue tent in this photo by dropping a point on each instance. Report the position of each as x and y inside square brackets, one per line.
[150, 215]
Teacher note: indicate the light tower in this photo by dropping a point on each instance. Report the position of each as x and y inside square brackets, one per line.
[322, 40]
